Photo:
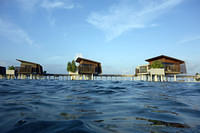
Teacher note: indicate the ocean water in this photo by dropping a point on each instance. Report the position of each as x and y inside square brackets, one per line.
[56, 106]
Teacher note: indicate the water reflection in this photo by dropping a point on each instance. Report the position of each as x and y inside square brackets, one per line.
[160, 123]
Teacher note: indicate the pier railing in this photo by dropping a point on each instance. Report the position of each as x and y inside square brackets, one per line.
[48, 76]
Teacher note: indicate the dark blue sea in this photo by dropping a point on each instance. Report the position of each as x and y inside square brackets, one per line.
[56, 106]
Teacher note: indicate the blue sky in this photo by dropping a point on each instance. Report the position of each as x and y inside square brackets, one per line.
[120, 34]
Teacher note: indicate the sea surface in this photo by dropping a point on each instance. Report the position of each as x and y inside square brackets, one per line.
[56, 106]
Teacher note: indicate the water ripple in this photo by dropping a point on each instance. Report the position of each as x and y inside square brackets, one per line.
[53, 106]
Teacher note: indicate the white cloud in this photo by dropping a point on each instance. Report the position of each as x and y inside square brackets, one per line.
[57, 4]
[51, 5]
[129, 15]
[48, 5]
[15, 34]
[31, 5]
[188, 40]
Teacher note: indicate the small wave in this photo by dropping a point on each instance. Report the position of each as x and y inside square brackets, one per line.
[53, 106]
[73, 126]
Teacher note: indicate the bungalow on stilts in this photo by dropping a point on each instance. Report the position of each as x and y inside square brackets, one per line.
[87, 69]
[2, 72]
[29, 70]
[166, 67]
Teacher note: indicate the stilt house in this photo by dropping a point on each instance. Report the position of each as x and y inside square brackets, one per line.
[2, 70]
[170, 65]
[27, 67]
[87, 66]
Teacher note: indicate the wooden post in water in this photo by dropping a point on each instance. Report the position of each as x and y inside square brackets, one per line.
[151, 77]
[175, 77]
[142, 77]
[156, 78]
[161, 78]
[21, 76]
[92, 77]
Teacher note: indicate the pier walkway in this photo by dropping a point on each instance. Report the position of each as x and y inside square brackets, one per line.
[48, 76]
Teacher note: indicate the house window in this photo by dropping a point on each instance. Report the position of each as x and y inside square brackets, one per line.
[143, 69]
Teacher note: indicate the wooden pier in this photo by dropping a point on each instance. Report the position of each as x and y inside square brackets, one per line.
[94, 77]
[167, 78]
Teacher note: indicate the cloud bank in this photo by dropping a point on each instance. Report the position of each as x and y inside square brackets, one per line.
[14, 33]
[48, 5]
[129, 15]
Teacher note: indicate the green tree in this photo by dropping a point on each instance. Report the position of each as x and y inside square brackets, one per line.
[74, 67]
[157, 64]
[197, 77]
[69, 66]
[11, 68]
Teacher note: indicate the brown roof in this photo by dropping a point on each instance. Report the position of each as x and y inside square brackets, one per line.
[22, 61]
[163, 56]
[79, 60]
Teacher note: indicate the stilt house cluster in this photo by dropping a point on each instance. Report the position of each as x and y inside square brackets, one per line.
[89, 69]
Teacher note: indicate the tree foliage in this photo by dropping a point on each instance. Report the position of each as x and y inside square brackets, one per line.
[71, 66]
[11, 68]
[74, 68]
[157, 64]
[197, 77]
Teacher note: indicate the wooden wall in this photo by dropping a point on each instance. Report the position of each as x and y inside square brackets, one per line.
[174, 62]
